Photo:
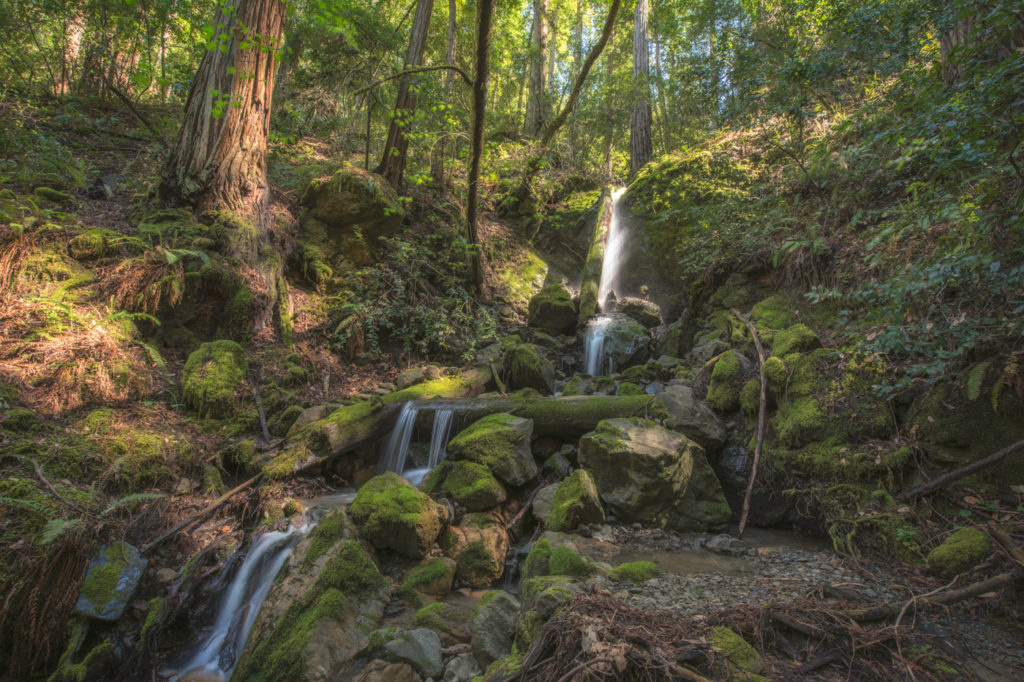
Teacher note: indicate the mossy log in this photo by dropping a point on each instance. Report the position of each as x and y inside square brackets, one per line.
[590, 283]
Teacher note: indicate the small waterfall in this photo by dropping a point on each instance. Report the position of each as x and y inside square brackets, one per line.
[223, 644]
[398, 444]
[593, 345]
[439, 437]
[614, 251]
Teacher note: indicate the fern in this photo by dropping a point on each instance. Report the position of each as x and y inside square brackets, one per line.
[154, 356]
[28, 504]
[134, 497]
[57, 527]
[975, 379]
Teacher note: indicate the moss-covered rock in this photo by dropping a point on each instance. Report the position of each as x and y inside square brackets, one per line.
[433, 578]
[643, 311]
[500, 442]
[796, 339]
[576, 503]
[473, 486]
[553, 309]
[736, 650]
[392, 514]
[726, 381]
[634, 572]
[113, 575]
[91, 245]
[529, 368]
[629, 388]
[447, 620]
[960, 552]
[493, 626]
[776, 372]
[565, 560]
[54, 196]
[212, 377]
[478, 544]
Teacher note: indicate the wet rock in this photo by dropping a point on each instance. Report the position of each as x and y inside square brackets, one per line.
[410, 377]
[462, 668]
[470, 484]
[392, 514]
[382, 671]
[479, 545]
[114, 573]
[643, 311]
[528, 367]
[544, 502]
[552, 309]
[493, 625]
[576, 503]
[420, 648]
[626, 341]
[725, 544]
[501, 442]
[652, 475]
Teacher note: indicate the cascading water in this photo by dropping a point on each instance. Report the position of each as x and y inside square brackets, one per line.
[593, 345]
[438, 442]
[398, 444]
[614, 251]
[218, 652]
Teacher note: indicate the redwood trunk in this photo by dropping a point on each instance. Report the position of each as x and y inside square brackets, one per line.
[640, 147]
[485, 14]
[437, 170]
[537, 110]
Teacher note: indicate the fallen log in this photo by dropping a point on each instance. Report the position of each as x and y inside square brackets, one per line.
[891, 609]
[196, 518]
[957, 474]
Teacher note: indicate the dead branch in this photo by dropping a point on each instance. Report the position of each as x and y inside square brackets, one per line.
[202, 514]
[891, 609]
[761, 418]
[423, 69]
[526, 505]
[957, 474]
[138, 114]
[49, 486]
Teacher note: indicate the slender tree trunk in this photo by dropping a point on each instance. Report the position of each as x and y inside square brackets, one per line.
[662, 103]
[219, 160]
[71, 48]
[485, 14]
[640, 147]
[392, 164]
[537, 103]
[437, 169]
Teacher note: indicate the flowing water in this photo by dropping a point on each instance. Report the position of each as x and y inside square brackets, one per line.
[439, 437]
[614, 252]
[401, 436]
[593, 345]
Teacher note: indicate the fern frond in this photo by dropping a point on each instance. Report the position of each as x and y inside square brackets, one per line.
[57, 527]
[28, 504]
[128, 499]
[975, 379]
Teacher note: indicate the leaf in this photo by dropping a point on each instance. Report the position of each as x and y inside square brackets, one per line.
[134, 497]
[975, 379]
[57, 527]
[28, 504]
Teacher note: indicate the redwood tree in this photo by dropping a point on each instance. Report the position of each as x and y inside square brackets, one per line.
[538, 109]
[640, 147]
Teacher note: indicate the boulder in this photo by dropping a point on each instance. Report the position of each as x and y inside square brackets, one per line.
[433, 578]
[552, 309]
[472, 485]
[382, 671]
[541, 598]
[626, 341]
[478, 545]
[410, 377]
[652, 475]
[544, 502]
[326, 598]
[738, 653]
[449, 620]
[392, 514]
[796, 339]
[775, 312]
[676, 339]
[576, 503]
[726, 382]
[462, 668]
[643, 311]
[692, 418]
[212, 376]
[960, 552]
[529, 368]
[114, 573]
[420, 648]
[726, 544]
[500, 442]
[494, 626]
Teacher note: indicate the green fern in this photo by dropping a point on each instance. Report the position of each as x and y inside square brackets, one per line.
[128, 499]
[28, 504]
[57, 527]
[154, 356]
[975, 379]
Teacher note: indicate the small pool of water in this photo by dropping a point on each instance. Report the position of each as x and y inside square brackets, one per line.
[685, 562]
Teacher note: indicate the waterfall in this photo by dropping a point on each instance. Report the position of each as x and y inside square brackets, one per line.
[614, 250]
[222, 645]
[439, 437]
[398, 444]
[593, 345]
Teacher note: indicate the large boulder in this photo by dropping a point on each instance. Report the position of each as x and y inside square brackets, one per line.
[212, 377]
[114, 573]
[501, 442]
[726, 382]
[420, 648]
[552, 309]
[479, 545]
[576, 503]
[652, 475]
[394, 515]
[676, 339]
[626, 341]
[529, 368]
[643, 311]
[960, 552]
[470, 484]
[326, 598]
[494, 626]
[691, 417]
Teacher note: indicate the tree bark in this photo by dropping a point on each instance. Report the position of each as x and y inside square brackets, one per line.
[538, 110]
[392, 164]
[640, 147]
[437, 169]
[485, 14]
[219, 159]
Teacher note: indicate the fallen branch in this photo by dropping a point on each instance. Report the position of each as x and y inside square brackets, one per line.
[526, 506]
[957, 474]
[423, 69]
[761, 417]
[49, 486]
[138, 114]
[201, 515]
[940, 597]
[262, 414]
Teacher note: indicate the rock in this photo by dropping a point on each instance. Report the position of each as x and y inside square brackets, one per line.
[726, 381]
[113, 574]
[462, 668]
[796, 339]
[166, 575]
[89, 245]
[725, 544]
[394, 515]
[472, 485]
[501, 442]
[544, 502]
[736, 650]
[529, 368]
[692, 418]
[626, 341]
[382, 671]
[494, 625]
[960, 552]
[325, 600]
[652, 475]
[557, 465]
[552, 309]
[542, 597]
[448, 620]
[676, 340]
[433, 578]
[575, 503]
[479, 545]
[703, 351]
[643, 311]
[775, 312]
[410, 377]
[212, 376]
[420, 648]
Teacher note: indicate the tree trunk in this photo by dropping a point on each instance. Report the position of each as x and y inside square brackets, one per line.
[640, 147]
[72, 46]
[662, 104]
[485, 14]
[537, 103]
[437, 170]
[219, 160]
[392, 164]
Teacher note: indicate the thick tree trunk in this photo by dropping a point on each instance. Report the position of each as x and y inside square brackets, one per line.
[437, 169]
[485, 14]
[392, 164]
[219, 160]
[72, 46]
[640, 147]
[538, 110]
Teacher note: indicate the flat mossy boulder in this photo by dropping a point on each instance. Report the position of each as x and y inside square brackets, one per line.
[472, 485]
[961, 551]
[327, 598]
[500, 442]
[552, 309]
[114, 573]
[649, 474]
[391, 514]
[726, 382]
[212, 377]
[493, 625]
[529, 368]
[775, 312]
[576, 503]
[643, 311]
[796, 339]
[478, 544]
[432, 578]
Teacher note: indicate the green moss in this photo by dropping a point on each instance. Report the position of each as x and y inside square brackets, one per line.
[537, 561]
[53, 195]
[421, 576]
[774, 313]
[332, 528]
[476, 560]
[775, 371]
[796, 339]
[473, 486]
[89, 668]
[750, 397]
[504, 668]
[20, 420]
[960, 552]
[629, 388]
[575, 502]
[438, 616]
[528, 626]
[565, 561]
[154, 614]
[736, 650]
[634, 572]
[213, 484]
[90, 245]
[726, 380]
[282, 421]
[393, 514]
[882, 468]
[558, 585]
[379, 639]
[212, 376]
[239, 314]
[488, 440]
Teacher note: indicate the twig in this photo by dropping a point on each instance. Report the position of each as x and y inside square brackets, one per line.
[422, 69]
[948, 597]
[263, 415]
[202, 514]
[585, 664]
[49, 486]
[957, 474]
[138, 114]
[761, 418]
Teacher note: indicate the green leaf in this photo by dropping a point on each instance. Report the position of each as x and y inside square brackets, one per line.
[134, 497]
[975, 379]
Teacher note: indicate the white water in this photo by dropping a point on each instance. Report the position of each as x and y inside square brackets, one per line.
[593, 345]
[401, 436]
[439, 437]
[223, 644]
[614, 251]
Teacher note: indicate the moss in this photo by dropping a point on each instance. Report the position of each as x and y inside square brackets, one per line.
[332, 528]
[20, 420]
[153, 617]
[281, 422]
[379, 639]
[488, 440]
[473, 486]
[138, 459]
[750, 397]
[565, 561]
[883, 468]
[796, 339]
[960, 552]
[736, 650]
[291, 507]
[552, 309]
[537, 561]
[313, 265]
[435, 616]
[212, 376]
[503, 668]
[558, 585]
[634, 572]
[629, 388]
[213, 484]
[528, 368]
[774, 313]
[89, 668]
[90, 245]
[775, 371]
[391, 513]
[726, 379]
[422, 576]
[475, 559]
[239, 314]
[53, 195]
[575, 502]
[528, 626]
